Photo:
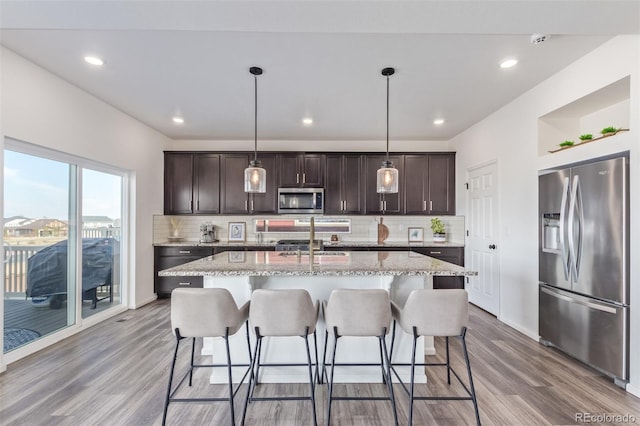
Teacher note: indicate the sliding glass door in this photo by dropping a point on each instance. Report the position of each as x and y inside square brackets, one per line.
[63, 237]
[39, 287]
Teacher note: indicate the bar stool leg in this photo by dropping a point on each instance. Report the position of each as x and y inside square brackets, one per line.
[333, 367]
[323, 373]
[388, 376]
[471, 386]
[230, 377]
[193, 351]
[413, 368]
[446, 339]
[252, 377]
[173, 365]
[311, 379]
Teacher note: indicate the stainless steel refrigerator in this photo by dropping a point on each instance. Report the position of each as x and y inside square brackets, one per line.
[584, 263]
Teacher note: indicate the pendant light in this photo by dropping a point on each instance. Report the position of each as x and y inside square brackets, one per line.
[387, 177]
[255, 177]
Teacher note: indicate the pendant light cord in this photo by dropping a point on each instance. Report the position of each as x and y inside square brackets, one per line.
[387, 118]
[255, 121]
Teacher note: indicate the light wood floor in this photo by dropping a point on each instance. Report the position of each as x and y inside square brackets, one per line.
[116, 373]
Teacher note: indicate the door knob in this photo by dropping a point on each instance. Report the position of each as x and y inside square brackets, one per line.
[492, 246]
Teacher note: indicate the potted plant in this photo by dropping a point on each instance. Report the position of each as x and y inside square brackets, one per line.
[586, 137]
[566, 144]
[437, 227]
[607, 131]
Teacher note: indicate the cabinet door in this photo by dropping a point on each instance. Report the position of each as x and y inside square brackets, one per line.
[266, 203]
[351, 184]
[453, 255]
[415, 183]
[289, 170]
[206, 185]
[378, 203]
[442, 184]
[312, 170]
[178, 183]
[233, 198]
[333, 185]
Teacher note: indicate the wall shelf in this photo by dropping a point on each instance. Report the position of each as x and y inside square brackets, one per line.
[607, 106]
[588, 141]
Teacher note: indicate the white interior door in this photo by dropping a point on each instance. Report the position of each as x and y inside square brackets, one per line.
[482, 240]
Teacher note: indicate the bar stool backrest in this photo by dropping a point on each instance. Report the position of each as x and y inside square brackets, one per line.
[283, 312]
[205, 312]
[358, 312]
[436, 312]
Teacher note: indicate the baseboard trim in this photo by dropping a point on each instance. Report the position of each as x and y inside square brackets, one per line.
[633, 390]
[145, 302]
[524, 331]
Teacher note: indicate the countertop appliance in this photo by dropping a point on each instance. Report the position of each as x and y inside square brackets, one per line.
[301, 200]
[294, 245]
[584, 263]
[208, 233]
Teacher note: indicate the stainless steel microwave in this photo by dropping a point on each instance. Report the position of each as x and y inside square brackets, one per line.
[301, 200]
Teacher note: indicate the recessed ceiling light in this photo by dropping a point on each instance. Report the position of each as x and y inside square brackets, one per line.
[438, 121]
[178, 120]
[307, 121]
[508, 63]
[94, 60]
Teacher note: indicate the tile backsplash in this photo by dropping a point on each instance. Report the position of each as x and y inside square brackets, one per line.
[363, 228]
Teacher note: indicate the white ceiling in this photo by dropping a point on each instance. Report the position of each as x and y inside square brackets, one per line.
[321, 59]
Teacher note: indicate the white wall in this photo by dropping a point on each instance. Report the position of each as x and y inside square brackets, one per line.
[510, 137]
[40, 108]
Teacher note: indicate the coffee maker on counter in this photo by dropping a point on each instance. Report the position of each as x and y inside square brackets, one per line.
[208, 233]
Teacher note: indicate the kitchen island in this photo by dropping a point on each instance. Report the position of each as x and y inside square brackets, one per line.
[398, 272]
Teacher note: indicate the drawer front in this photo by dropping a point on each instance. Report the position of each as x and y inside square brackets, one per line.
[167, 284]
[185, 251]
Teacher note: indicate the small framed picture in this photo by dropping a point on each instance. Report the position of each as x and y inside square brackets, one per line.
[416, 235]
[237, 231]
[236, 257]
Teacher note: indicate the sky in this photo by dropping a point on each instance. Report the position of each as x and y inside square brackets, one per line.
[37, 188]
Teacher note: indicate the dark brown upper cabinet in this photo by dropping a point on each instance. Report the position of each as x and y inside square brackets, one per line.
[382, 203]
[442, 184]
[429, 184]
[234, 199]
[297, 169]
[342, 184]
[191, 183]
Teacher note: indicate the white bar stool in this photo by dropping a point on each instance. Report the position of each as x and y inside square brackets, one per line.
[282, 313]
[205, 312]
[438, 313]
[361, 313]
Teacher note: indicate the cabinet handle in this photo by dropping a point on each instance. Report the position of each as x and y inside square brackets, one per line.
[435, 252]
[297, 177]
[246, 207]
[184, 284]
[198, 205]
[424, 205]
[191, 205]
[381, 206]
[345, 205]
[185, 252]
[252, 205]
[304, 178]
[430, 205]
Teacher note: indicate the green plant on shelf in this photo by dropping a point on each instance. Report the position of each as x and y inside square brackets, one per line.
[586, 137]
[437, 226]
[609, 129]
[566, 143]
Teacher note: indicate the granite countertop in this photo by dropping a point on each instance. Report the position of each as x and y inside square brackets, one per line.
[272, 243]
[358, 263]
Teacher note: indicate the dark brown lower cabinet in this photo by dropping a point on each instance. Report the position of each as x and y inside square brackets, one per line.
[453, 255]
[167, 257]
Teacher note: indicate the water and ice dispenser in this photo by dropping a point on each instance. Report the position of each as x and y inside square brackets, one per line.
[551, 232]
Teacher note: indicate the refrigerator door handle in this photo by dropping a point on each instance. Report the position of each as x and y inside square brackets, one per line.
[591, 305]
[580, 211]
[570, 226]
[562, 230]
